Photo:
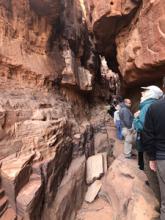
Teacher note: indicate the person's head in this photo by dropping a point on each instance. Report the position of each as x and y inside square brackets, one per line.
[151, 92]
[115, 102]
[127, 102]
[120, 99]
[117, 107]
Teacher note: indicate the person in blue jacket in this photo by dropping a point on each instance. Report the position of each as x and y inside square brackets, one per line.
[149, 95]
[117, 123]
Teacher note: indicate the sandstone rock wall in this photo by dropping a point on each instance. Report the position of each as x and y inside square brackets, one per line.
[132, 32]
[51, 75]
[108, 18]
[125, 189]
[141, 46]
[38, 121]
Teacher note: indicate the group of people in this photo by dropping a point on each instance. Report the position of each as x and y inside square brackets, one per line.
[146, 130]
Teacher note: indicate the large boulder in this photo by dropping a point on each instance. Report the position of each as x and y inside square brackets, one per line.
[125, 189]
[97, 210]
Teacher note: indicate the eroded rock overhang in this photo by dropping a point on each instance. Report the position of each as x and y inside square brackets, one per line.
[132, 34]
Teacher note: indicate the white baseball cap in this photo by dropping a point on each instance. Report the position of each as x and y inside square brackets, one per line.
[155, 89]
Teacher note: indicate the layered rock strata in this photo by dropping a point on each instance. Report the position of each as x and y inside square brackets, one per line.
[39, 123]
[141, 46]
[50, 80]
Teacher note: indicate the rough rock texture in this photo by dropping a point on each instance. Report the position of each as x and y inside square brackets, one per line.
[52, 76]
[125, 189]
[39, 115]
[107, 19]
[99, 209]
[28, 197]
[140, 47]
[130, 34]
[15, 173]
[103, 129]
[93, 191]
[70, 193]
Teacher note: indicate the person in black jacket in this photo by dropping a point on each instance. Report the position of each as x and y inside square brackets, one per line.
[154, 144]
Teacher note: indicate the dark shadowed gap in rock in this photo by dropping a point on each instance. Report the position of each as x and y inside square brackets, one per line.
[106, 30]
[112, 60]
[57, 29]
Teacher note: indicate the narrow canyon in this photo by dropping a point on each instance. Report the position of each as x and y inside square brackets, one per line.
[61, 63]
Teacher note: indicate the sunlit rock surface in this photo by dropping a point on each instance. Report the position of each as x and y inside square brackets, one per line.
[140, 46]
[54, 82]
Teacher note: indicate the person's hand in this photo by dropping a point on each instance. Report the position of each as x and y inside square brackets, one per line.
[136, 114]
[153, 165]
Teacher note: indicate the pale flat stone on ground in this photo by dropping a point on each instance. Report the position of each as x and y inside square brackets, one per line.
[95, 168]
[93, 191]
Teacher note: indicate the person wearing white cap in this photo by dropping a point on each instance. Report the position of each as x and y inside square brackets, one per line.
[150, 94]
[154, 144]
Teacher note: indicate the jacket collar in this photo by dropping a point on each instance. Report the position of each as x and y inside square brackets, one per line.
[147, 101]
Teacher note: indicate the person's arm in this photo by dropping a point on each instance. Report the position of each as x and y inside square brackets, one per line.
[139, 118]
[115, 117]
[137, 124]
[148, 137]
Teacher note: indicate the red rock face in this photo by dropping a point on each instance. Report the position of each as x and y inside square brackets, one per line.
[141, 58]
[49, 64]
[35, 116]
[136, 30]
[107, 18]
[131, 200]
[50, 8]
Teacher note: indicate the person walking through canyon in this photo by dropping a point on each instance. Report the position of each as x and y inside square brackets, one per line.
[126, 118]
[150, 94]
[153, 138]
[117, 123]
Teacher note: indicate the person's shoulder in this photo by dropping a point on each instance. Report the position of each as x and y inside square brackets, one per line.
[157, 104]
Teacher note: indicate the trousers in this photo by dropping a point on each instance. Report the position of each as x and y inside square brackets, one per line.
[161, 179]
[128, 141]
